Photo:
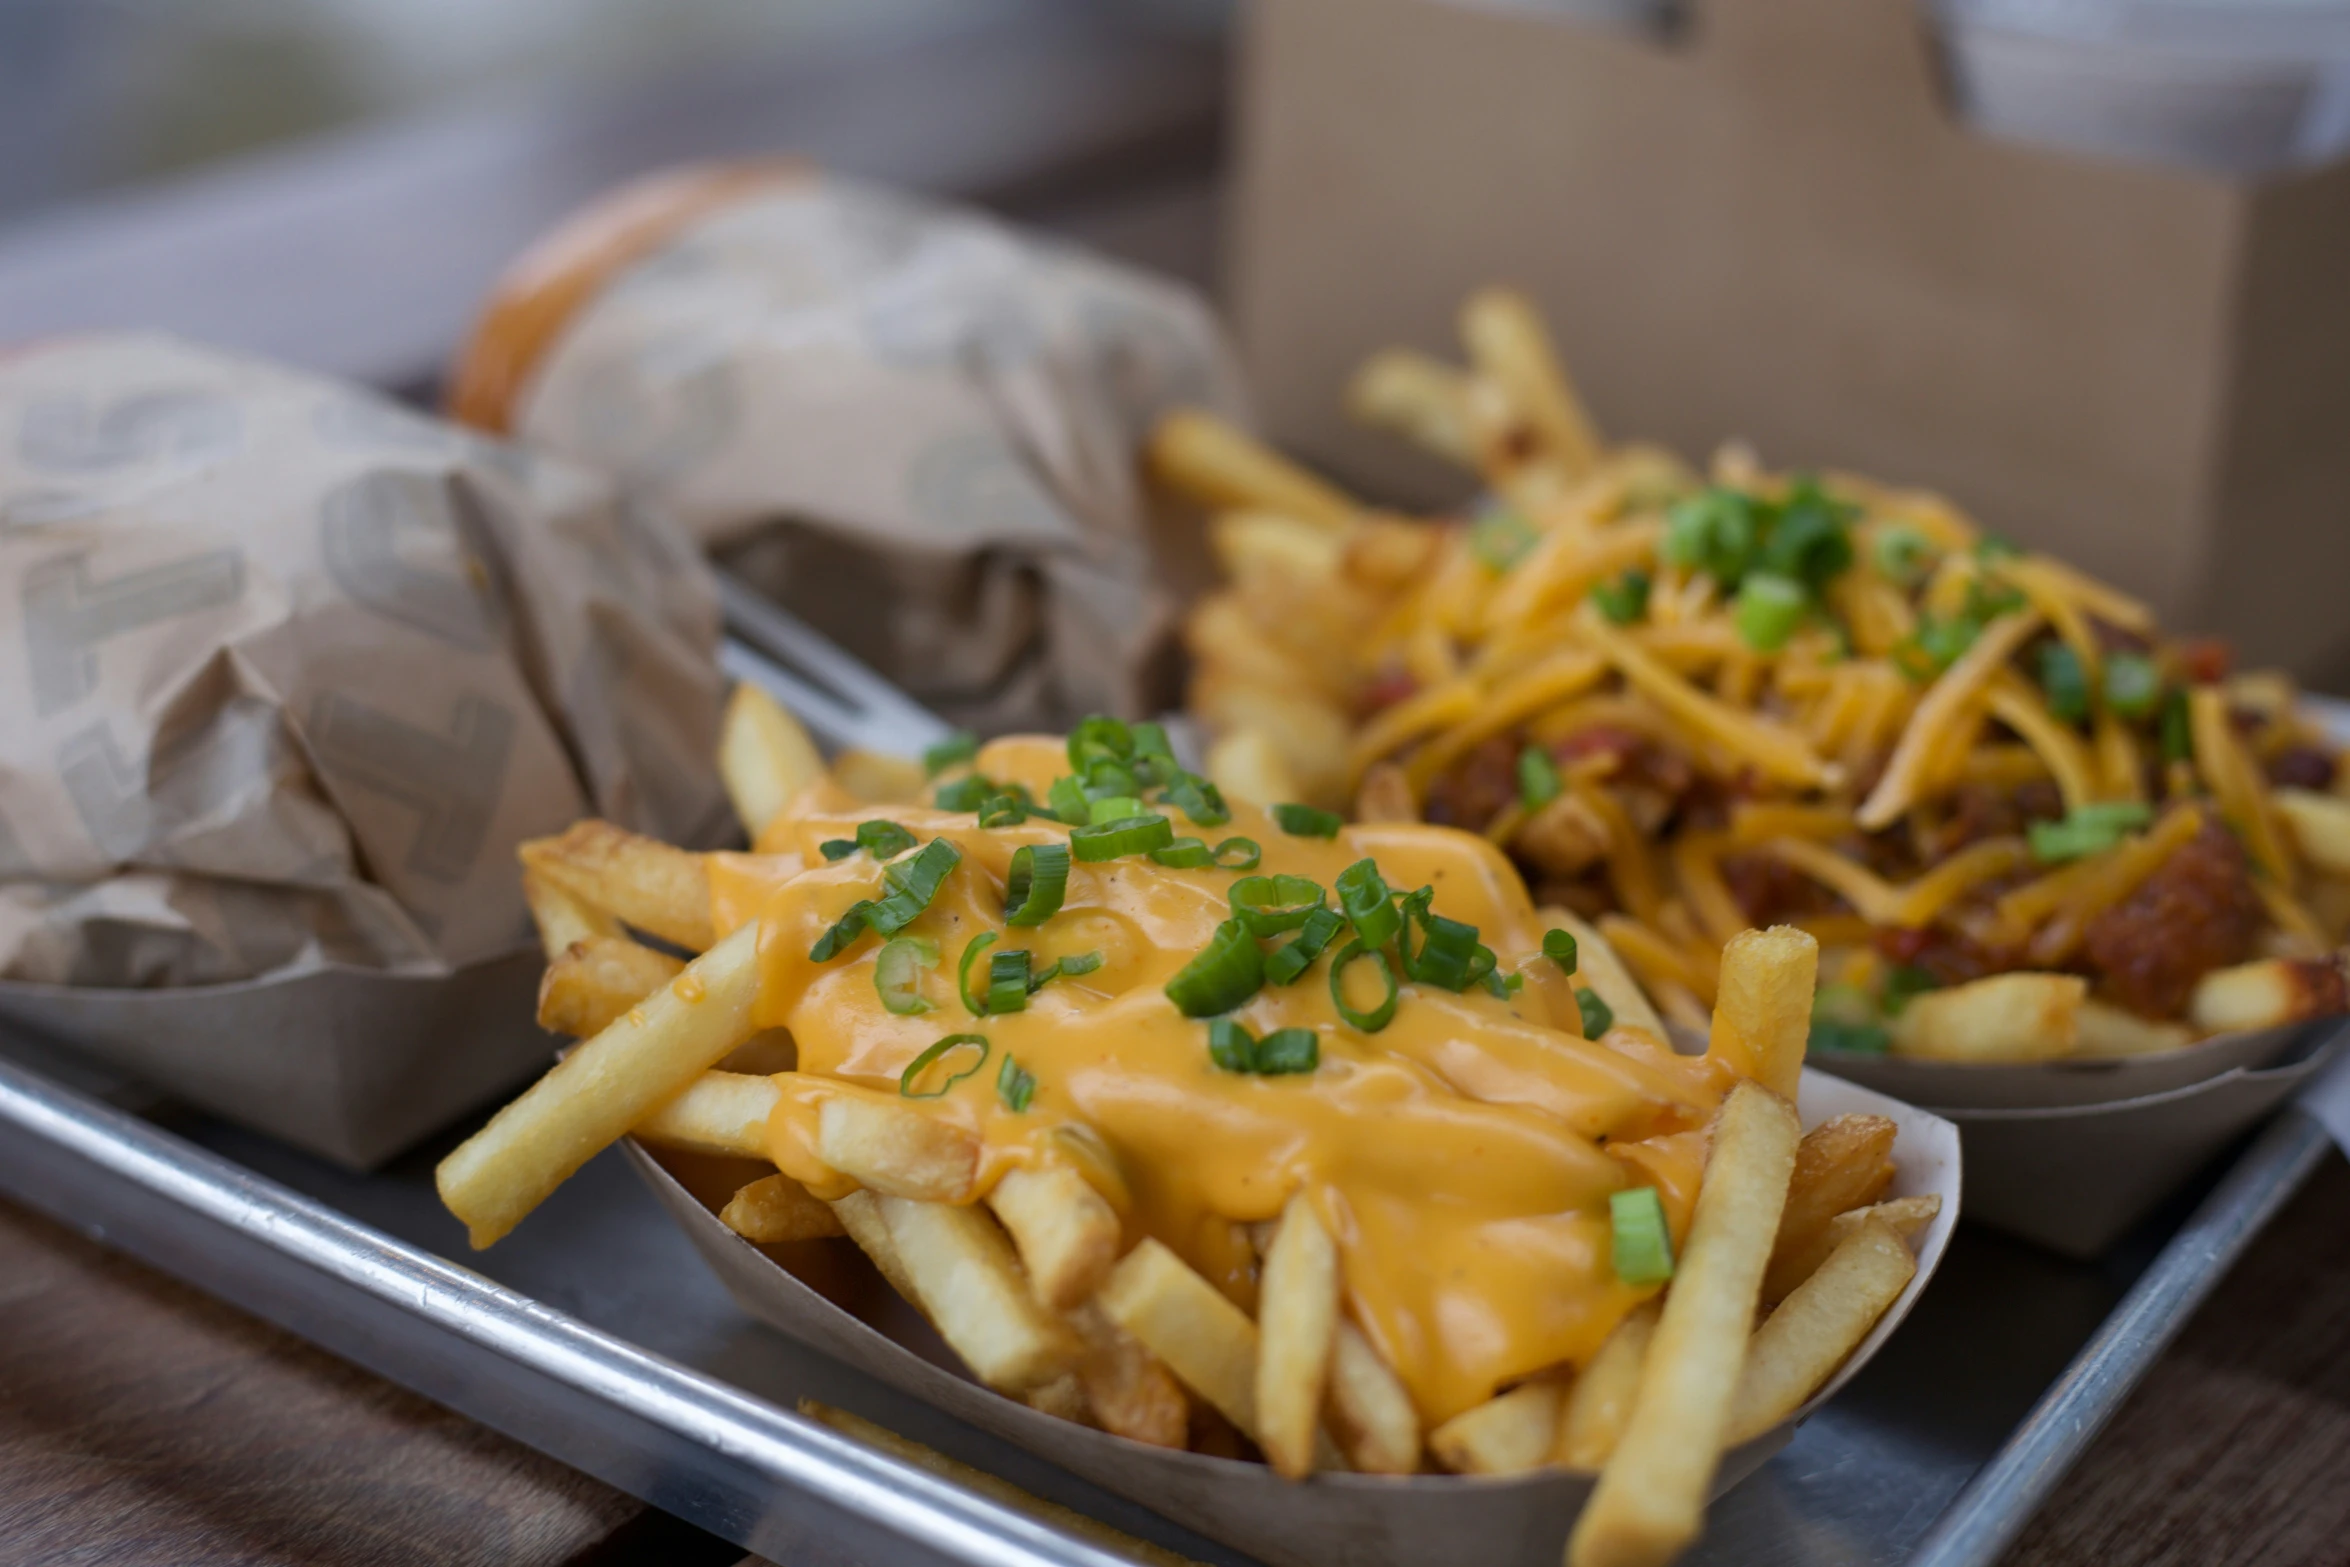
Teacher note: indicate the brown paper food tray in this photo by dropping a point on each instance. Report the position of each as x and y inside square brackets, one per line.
[1362, 1520]
[351, 1064]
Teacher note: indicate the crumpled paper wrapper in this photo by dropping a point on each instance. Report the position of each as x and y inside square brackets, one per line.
[1360, 1520]
[298, 668]
[911, 425]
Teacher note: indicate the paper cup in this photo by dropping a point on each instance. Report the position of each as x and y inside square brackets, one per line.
[1363, 1520]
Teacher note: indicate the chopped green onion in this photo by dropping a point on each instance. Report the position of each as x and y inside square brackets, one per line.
[1559, 947]
[1448, 949]
[853, 923]
[1538, 778]
[1150, 740]
[1036, 884]
[967, 793]
[1598, 1016]
[1238, 854]
[1986, 601]
[1903, 984]
[1808, 537]
[974, 1002]
[1501, 539]
[959, 747]
[1369, 904]
[1935, 646]
[1716, 532]
[913, 882]
[1015, 1085]
[1067, 798]
[1287, 1050]
[1196, 798]
[1991, 547]
[1112, 808]
[1769, 609]
[838, 848]
[1007, 982]
[1110, 780]
[1003, 810]
[1229, 970]
[2086, 830]
[1185, 854]
[2065, 682]
[1903, 555]
[1099, 738]
[2133, 685]
[944, 1047]
[1231, 1046]
[1378, 1017]
[1269, 905]
[1077, 963]
[1304, 821]
[1286, 962]
[1624, 600]
[2178, 734]
[1640, 1244]
[897, 973]
[1127, 835]
[1502, 986]
[884, 840]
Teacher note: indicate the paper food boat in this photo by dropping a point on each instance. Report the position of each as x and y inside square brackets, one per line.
[2071, 1154]
[1363, 1520]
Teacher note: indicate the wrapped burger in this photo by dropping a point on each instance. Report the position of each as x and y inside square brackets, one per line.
[909, 424]
[298, 670]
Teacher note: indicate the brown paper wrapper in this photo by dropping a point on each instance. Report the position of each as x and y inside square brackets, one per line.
[296, 670]
[1362, 1520]
[909, 424]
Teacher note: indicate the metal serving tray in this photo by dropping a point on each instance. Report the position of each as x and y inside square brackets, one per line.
[595, 1335]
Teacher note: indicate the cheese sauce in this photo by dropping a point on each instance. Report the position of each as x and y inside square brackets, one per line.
[1462, 1156]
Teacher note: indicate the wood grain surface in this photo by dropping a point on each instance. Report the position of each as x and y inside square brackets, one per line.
[145, 1425]
[2236, 1448]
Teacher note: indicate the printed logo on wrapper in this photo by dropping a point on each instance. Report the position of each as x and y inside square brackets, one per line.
[69, 611]
[75, 435]
[400, 544]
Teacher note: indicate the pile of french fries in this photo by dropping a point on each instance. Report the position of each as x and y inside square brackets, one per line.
[1793, 1253]
[1839, 666]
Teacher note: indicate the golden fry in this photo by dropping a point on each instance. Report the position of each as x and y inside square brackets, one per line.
[1510, 1433]
[765, 757]
[777, 1208]
[1067, 1235]
[1297, 1320]
[597, 981]
[1800, 1345]
[662, 891]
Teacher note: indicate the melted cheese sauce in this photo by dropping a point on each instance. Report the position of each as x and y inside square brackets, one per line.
[1462, 1156]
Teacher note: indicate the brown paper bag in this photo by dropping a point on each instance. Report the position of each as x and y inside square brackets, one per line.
[292, 672]
[909, 424]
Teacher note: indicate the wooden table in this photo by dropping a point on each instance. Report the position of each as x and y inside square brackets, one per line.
[143, 1423]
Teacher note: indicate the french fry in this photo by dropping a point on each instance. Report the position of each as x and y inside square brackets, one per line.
[719, 1113]
[878, 779]
[777, 1208]
[1843, 1163]
[968, 1281]
[1067, 1235]
[1084, 1528]
[1247, 765]
[1063, 1398]
[1650, 1500]
[662, 891]
[1598, 967]
[894, 1150]
[861, 1216]
[1297, 1317]
[1195, 452]
[765, 757]
[2320, 825]
[1385, 795]
[2107, 1031]
[607, 1085]
[1132, 1395]
[2024, 1016]
[595, 982]
[1507, 341]
[1185, 1321]
[1307, 733]
[1800, 1345]
[1369, 1410]
[1600, 1402]
[1417, 397]
[1762, 1011]
[1510, 1433]
[2265, 994]
[561, 918]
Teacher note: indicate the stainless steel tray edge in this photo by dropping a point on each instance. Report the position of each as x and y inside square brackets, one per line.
[762, 1477]
[1986, 1517]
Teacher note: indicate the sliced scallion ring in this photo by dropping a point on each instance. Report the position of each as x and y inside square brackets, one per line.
[1559, 947]
[1077, 963]
[1288, 1050]
[974, 1002]
[913, 882]
[967, 793]
[959, 747]
[1015, 1085]
[1130, 835]
[1007, 982]
[1229, 970]
[1269, 905]
[1369, 905]
[1239, 854]
[1306, 821]
[897, 973]
[1640, 1244]
[854, 922]
[1287, 961]
[938, 1052]
[1038, 881]
[1377, 1017]
[1197, 799]
[1113, 808]
[1003, 810]
[1185, 854]
[1067, 798]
